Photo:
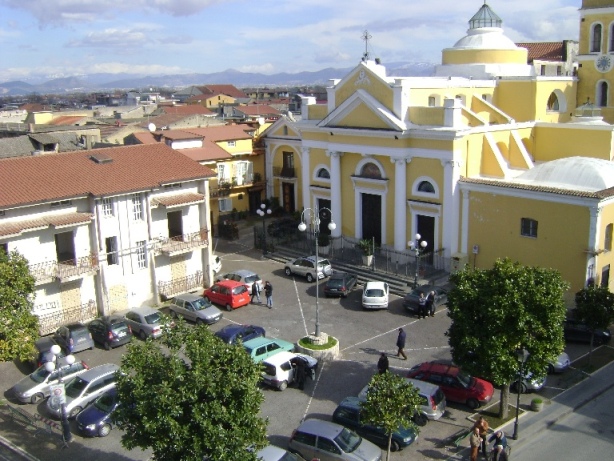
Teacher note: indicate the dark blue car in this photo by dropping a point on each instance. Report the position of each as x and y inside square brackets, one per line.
[231, 333]
[95, 420]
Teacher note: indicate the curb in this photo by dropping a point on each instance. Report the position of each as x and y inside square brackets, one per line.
[15, 449]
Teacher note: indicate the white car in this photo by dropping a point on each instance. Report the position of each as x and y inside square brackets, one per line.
[280, 369]
[375, 295]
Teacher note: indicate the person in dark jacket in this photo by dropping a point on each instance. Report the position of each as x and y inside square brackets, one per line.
[255, 292]
[401, 344]
[268, 292]
[499, 442]
[422, 306]
[382, 363]
[300, 374]
[430, 304]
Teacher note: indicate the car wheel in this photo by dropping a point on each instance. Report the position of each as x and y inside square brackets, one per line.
[282, 385]
[228, 307]
[473, 404]
[420, 419]
[174, 314]
[288, 271]
[37, 398]
[74, 412]
[519, 387]
[309, 278]
[107, 346]
[104, 430]
[394, 446]
[550, 369]
[199, 322]
[142, 335]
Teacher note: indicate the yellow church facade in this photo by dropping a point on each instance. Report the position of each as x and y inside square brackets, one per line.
[484, 160]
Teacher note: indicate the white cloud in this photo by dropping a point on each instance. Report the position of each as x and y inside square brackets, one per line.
[112, 38]
[265, 68]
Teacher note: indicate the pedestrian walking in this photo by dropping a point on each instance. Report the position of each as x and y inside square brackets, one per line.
[382, 363]
[268, 293]
[401, 344]
[256, 292]
[430, 304]
[300, 374]
[482, 425]
[474, 441]
[422, 306]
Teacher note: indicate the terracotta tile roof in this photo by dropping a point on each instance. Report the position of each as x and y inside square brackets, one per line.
[223, 132]
[52, 177]
[14, 229]
[177, 135]
[544, 51]
[229, 90]
[191, 109]
[210, 152]
[35, 107]
[170, 201]
[66, 120]
[258, 109]
[145, 137]
[548, 189]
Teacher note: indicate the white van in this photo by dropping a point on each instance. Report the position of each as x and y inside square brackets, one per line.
[280, 369]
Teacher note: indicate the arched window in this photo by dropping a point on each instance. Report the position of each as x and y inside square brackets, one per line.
[323, 173]
[370, 170]
[608, 237]
[602, 94]
[596, 39]
[553, 102]
[426, 186]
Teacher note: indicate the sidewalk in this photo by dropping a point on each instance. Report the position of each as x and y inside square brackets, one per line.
[532, 424]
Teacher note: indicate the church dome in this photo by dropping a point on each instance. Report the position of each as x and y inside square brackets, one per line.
[485, 32]
[577, 173]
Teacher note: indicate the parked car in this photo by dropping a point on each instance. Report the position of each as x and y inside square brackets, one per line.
[283, 227]
[348, 414]
[273, 453]
[576, 331]
[305, 266]
[195, 308]
[216, 266]
[43, 352]
[244, 276]
[324, 440]
[232, 333]
[262, 348]
[375, 295]
[561, 363]
[73, 338]
[145, 322]
[228, 293]
[279, 370]
[95, 419]
[433, 404]
[83, 389]
[529, 383]
[110, 331]
[456, 385]
[35, 387]
[340, 284]
[411, 299]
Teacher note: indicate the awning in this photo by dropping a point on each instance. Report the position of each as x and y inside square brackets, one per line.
[177, 200]
[14, 229]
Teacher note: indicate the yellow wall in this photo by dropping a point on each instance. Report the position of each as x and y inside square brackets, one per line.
[426, 115]
[566, 141]
[376, 88]
[363, 117]
[241, 146]
[607, 257]
[317, 111]
[459, 56]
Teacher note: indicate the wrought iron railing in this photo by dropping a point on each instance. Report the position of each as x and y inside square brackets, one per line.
[51, 321]
[284, 172]
[49, 270]
[184, 243]
[180, 285]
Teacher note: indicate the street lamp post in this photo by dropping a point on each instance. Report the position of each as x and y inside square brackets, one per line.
[521, 355]
[416, 246]
[263, 211]
[315, 225]
[50, 367]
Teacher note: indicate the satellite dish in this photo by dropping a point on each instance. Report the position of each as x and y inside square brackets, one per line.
[260, 121]
[152, 127]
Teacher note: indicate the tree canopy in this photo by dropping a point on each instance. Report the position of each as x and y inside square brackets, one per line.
[391, 403]
[595, 308]
[190, 396]
[496, 312]
[18, 326]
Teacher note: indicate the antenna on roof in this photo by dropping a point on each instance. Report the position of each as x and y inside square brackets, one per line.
[366, 37]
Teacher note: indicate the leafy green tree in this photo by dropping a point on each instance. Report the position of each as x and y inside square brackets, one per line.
[190, 396]
[497, 312]
[595, 307]
[391, 403]
[18, 326]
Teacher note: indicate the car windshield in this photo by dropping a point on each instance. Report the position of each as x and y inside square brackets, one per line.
[76, 387]
[39, 375]
[374, 293]
[79, 333]
[335, 283]
[348, 441]
[416, 293]
[288, 457]
[119, 327]
[105, 402]
[252, 278]
[153, 319]
[200, 304]
[464, 378]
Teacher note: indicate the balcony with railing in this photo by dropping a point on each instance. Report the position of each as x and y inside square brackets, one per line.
[284, 171]
[171, 288]
[185, 243]
[64, 271]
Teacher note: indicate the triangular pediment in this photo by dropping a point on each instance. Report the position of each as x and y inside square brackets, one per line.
[282, 128]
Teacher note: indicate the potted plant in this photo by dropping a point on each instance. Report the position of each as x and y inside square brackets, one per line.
[366, 246]
[537, 404]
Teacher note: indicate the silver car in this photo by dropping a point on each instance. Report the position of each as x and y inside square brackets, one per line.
[561, 364]
[35, 387]
[145, 322]
[244, 276]
[273, 453]
[305, 266]
[328, 441]
[83, 389]
[195, 308]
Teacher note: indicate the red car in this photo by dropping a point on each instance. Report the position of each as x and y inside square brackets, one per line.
[456, 385]
[228, 293]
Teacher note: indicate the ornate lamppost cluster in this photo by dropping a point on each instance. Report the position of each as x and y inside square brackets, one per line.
[417, 246]
[263, 211]
[50, 367]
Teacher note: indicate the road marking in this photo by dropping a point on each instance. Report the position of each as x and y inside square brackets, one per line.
[300, 306]
[315, 386]
[377, 336]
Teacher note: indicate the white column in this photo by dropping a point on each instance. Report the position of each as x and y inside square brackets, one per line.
[268, 167]
[593, 244]
[305, 176]
[335, 190]
[400, 197]
[465, 222]
[450, 213]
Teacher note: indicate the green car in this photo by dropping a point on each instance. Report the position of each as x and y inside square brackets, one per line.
[262, 348]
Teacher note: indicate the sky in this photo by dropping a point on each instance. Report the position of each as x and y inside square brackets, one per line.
[45, 39]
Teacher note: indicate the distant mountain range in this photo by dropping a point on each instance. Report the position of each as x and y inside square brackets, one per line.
[106, 82]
